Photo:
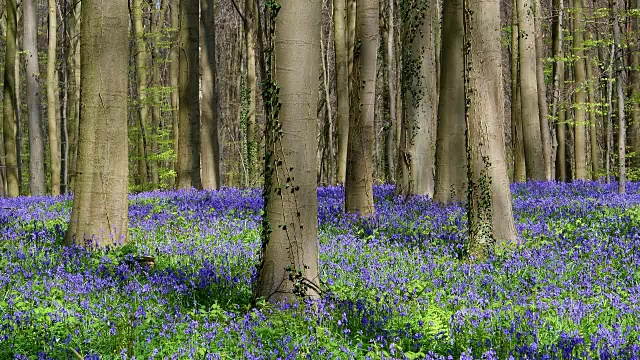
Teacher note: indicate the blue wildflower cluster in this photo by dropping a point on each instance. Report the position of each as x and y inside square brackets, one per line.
[397, 286]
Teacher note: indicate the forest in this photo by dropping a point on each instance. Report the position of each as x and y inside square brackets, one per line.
[320, 179]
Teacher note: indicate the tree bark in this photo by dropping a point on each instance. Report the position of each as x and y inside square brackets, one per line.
[421, 98]
[143, 103]
[451, 160]
[36, 142]
[73, 89]
[289, 261]
[533, 146]
[542, 92]
[342, 84]
[99, 214]
[622, 126]
[392, 89]
[634, 138]
[489, 199]
[580, 97]
[558, 89]
[609, 132]
[9, 104]
[174, 74]
[517, 138]
[209, 132]
[52, 100]
[593, 134]
[250, 42]
[188, 88]
[360, 161]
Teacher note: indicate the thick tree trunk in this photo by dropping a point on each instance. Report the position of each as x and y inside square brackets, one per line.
[542, 92]
[558, 88]
[36, 142]
[609, 132]
[9, 126]
[517, 138]
[421, 98]
[289, 264]
[451, 160]
[360, 157]
[533, 146]
[188, 88]
[99, 215]
[209, 132]
[622, 126]
[342, 84]
[489, 202]
[580, 97]
[52, 100]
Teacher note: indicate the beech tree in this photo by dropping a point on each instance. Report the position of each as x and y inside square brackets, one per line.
[99, 214]
[451, 159]
[342, 84]
[9, 103]
[489, 198]
[52, 100]
[36, 141]
[360, 157]
[210, 142]
[289, 257]
[580, 142]
[188, 164]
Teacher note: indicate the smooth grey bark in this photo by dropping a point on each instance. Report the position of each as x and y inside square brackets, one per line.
[341, 42]
[52, 100]
[622, 126]
[210, 141]
[36, 141]
[489, 199]
[580, 142]
[451, 159]
[9, 125]
[289, 257]
[100, 203]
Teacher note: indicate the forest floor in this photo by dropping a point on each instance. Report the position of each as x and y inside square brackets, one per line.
[398, 285]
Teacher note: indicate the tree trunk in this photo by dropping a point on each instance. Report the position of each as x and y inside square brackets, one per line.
[451, 160]
[593, 134]
[143, 104]
[392, 89]
[289, 261]
[542, 92]
[530, 112]
[73, 89]
[609, 132]
[580, 98]
[99, 215]
[52, 101]
[517, 138]
[558, 89]
[250, 42]
[622, 126]
[342, 84]
[9, 104]
[156, 116]
[209, 132]
[174, 74]
[634, 138]
[188, 88]
[360, 157]
[489, 199]
[421, 98]
[36, 142]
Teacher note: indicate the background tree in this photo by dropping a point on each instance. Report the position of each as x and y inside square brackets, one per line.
[36, 142]
[9, 107]
[342, 84]
[100, 203]
[580, 141]
[360, 157]
[52, 99]
[188, 164]
[451, 161]
[289, 260]
[210, 142]
[142, 104]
